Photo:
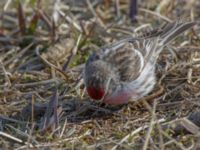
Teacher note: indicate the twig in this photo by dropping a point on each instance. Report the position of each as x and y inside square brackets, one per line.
[7, 119]
[70, 20]
[133, 10]
[145, 146]
[136, 132]
[19, 54]
[7, 4]
[73, 53]
[48, 63]
[5, 74]
[10, 137]
[117, 8]
[174, 141]
[94, 13]
[156, 14]
[36, 83]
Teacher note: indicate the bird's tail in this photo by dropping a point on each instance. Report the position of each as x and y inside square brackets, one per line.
[161, 37]
[170, 31]
[165, 35]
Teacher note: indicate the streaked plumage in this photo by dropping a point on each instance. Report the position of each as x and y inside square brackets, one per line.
[126, 69]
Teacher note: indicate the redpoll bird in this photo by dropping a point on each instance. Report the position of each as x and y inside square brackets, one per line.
[125, 70]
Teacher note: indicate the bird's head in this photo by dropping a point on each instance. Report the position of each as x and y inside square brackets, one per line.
[99, 79]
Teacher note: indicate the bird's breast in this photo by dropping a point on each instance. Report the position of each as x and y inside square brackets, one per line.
[119, 96]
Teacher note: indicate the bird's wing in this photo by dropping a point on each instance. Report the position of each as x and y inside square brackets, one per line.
[127, 59]
[130, 56]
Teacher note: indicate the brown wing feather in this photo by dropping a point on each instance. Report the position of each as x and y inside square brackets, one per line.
[128, 62]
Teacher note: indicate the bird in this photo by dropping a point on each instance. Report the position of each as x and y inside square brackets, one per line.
[125, 70]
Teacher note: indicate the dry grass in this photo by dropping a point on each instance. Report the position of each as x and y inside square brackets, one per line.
[43, 104]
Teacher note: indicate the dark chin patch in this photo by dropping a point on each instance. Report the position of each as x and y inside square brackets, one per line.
[95, 93]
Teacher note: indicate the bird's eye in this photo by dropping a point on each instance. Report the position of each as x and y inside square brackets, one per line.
[94, 57]
[97, 56]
